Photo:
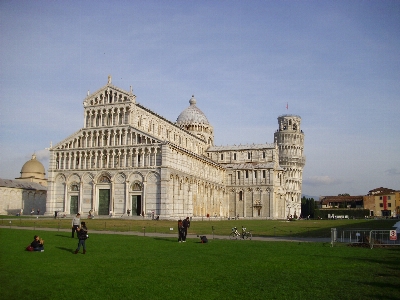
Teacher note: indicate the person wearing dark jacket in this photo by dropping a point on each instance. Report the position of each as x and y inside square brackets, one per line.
[186, 225]
[37, 244]
[82, 236]
[180, 231]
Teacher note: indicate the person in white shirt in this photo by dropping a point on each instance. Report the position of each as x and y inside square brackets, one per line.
[76, 223]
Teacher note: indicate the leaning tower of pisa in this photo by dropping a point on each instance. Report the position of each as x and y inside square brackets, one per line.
[290, 140]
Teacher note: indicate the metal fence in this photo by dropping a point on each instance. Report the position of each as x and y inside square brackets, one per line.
[368, 237]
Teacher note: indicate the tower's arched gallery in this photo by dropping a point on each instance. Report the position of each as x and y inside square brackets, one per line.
[129, 157]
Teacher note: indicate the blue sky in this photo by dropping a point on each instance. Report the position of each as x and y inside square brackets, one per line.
[336, 63]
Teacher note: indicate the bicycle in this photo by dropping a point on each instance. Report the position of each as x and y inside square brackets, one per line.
[235, 234]
[246, 235]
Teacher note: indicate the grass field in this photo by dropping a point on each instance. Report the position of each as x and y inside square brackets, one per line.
[134, 267]
[303, 228]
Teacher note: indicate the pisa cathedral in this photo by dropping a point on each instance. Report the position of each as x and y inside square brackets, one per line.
[129, 157]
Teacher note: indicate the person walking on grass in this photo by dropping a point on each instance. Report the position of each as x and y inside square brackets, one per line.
[76, 222]
[82, 236]
[180, 231]
[185, 225]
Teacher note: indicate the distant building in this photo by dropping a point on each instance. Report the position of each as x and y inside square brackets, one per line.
[129, 157]
[26, 193]
[383, 202]
[341, 201]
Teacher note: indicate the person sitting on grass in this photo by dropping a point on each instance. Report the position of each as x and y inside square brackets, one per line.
[37, 244]
[82, 236]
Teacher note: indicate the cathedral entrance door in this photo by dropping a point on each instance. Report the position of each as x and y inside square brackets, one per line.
[73, 207]
[137, 205]
[104, 202]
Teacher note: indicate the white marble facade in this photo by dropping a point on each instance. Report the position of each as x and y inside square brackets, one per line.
[129, 157]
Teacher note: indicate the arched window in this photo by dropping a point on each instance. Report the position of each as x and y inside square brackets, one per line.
[136, 186]
[74, 187]
[104, 179]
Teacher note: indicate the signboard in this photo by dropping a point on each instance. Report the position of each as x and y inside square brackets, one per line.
[393, 235]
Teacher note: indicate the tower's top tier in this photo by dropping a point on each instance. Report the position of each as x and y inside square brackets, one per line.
[289, 123]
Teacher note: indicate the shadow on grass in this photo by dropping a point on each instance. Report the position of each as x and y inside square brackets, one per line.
[66, 249]
[165, 239]
[64, 236]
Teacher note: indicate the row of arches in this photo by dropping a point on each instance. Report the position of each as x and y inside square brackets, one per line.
[202, 131]
[108, 138]
[244, 156]
[109, 96]
[293, 173]
[291, 150]
[20, 201]
[245, 177]
[113, 158]
[197, 197]
[289, 138]
[135, 180]
[105, 192]
[107, 116]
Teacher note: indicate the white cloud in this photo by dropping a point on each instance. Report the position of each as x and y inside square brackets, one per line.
[392, 172]
[320, 180]
[42, 154]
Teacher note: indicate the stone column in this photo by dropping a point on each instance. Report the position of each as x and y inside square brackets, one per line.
[80, 196]
[112, 196]
[94, 199]
[112, 159]
[144, 196]
[127, 205]
[66, 202]
[101, 164]
[80, 161]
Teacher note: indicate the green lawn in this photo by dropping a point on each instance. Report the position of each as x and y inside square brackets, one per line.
[134, 267]
[302, 228]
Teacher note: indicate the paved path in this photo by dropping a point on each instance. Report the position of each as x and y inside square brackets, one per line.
[174, 235]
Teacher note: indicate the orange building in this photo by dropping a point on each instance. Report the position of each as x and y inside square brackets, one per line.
[382, 202]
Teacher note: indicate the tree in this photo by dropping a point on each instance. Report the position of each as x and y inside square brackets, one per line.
[307, 207]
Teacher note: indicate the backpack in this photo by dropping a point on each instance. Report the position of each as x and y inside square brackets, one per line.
[29, 248]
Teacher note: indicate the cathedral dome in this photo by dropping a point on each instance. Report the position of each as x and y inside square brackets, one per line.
[33, 166]
[192, 115]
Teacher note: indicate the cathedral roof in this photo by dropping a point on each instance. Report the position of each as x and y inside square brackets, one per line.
[192, 115]
[251, 166]
[33, 166]
[22, 185]
[241, 147]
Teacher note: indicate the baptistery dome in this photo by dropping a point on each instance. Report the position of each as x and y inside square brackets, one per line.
[192, 115]
[33, 168]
